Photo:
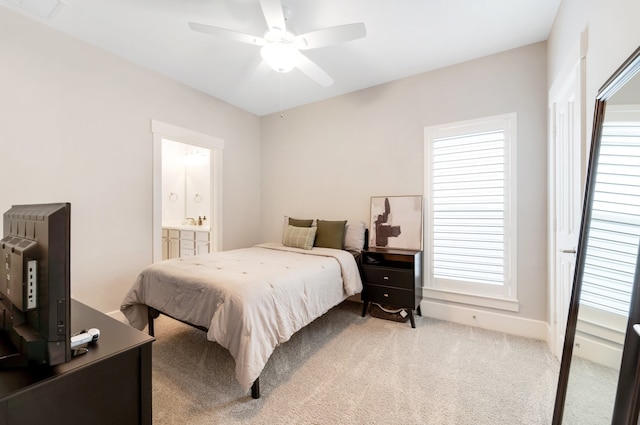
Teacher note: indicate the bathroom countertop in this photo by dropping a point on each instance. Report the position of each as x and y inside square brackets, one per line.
[204, 228]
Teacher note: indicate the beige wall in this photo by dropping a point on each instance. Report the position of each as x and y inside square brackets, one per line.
[613, 34]
[75, 125]
[327, 159]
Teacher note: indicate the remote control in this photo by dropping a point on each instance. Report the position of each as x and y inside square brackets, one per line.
[91, 335]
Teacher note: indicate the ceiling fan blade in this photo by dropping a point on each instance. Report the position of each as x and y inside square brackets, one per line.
[227, 34]
[273, 14]
[313, 71]
[331, 35]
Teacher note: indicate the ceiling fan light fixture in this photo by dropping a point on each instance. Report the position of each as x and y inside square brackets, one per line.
[281, 57]
[281, 49]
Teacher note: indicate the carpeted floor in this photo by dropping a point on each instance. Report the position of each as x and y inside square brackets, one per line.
[345, 369]
[591, 393]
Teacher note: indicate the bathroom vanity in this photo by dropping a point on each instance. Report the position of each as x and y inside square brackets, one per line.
[185, 241]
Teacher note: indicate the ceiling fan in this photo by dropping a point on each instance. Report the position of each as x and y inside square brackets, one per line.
[280, 48]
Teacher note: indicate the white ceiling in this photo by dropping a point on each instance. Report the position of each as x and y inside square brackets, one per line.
[404, 38]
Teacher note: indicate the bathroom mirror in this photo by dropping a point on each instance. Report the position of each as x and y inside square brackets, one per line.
[599, 365]
[186, 177]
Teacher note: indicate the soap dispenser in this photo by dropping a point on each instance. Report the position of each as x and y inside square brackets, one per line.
[199, 221]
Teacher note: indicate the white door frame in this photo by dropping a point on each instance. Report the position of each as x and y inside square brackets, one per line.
[568, 86]
[162, 131]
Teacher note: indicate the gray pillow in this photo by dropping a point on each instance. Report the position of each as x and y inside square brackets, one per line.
[354, 237]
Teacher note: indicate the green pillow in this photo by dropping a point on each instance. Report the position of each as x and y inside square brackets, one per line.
[330, 234]
[300, 223]
[299, 237]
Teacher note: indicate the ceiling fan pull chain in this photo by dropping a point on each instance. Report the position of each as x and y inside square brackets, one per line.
[281, 93]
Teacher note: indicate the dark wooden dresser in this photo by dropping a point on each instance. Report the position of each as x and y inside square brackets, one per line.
[110, 384]
[392, 277]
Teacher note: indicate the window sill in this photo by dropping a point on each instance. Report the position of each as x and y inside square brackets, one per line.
[472, 299]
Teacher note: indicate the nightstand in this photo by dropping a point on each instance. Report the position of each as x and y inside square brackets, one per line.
[392, 277]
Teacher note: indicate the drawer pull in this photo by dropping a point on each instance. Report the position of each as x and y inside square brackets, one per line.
[386, 295]
[385, 277]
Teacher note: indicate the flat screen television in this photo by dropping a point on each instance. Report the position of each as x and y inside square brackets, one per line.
[35, 285]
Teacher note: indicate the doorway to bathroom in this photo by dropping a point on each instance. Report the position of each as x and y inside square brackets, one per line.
[187, 189]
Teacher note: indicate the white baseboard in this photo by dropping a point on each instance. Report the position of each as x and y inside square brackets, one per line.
[513, 325]
[605, 353]
[118, 315]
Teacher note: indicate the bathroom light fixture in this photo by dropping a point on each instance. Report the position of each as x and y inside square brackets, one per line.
[196, 157]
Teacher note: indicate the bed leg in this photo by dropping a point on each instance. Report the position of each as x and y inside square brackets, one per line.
[255, 388]
[152, 313]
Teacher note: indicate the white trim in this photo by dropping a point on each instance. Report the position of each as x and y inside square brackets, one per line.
[575, 65]
[622, 113]
[163, 130]
[185, 135]
[471, 299]
[514, 325]
[509, 289]
[598, 351]
[599, 331]
[118, 315]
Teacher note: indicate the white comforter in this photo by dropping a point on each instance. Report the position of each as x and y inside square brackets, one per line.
[250, 299]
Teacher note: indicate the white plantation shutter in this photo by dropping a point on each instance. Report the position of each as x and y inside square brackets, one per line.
[612, 246]
[468, 207]
[471, 230]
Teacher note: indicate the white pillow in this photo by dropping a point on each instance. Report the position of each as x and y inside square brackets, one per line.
[354, 236]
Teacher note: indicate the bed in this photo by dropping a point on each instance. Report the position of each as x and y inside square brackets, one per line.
[250, 300]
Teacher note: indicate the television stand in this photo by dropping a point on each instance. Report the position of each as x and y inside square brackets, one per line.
[10, 357]
[110, 384]
[13, 360]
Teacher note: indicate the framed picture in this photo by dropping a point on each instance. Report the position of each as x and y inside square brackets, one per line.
[396, 222]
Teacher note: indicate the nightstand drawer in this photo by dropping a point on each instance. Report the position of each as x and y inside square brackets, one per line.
[389, 259]
[389, 277]
[387, 295]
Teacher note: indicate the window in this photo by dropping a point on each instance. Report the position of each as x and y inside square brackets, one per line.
[470, 215]
[612, 245]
